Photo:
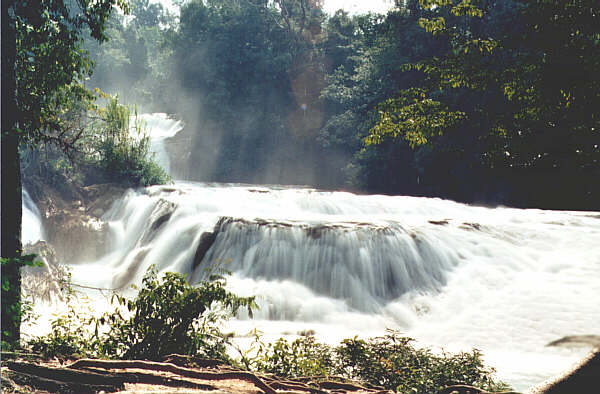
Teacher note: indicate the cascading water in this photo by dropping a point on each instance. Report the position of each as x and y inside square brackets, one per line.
[33, 230]
[160, 127]
[506, 281]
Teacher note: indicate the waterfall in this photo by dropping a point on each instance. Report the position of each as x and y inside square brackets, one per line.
[160, 127]
[504, 280]
[32, 229]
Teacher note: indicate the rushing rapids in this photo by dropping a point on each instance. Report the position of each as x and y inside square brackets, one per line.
[32, 223]
[159, 126]
[506, 281]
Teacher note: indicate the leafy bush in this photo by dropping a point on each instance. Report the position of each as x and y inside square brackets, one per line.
[390, 361]
[167, 316]
[71, 334]
[171, 316]
[303, 357]
[112, 147]
[122, 150]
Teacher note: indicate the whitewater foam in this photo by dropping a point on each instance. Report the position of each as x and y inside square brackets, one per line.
[506, 281]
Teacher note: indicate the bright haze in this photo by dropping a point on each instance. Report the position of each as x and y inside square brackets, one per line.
[329, 6]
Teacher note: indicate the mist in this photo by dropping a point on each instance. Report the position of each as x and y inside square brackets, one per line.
[246, 85]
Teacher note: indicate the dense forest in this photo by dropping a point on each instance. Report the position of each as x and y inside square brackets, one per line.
[478, 101]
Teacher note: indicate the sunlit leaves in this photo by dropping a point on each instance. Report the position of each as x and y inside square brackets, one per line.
[433, 25]
[413, 116]
[50, 62]
[466, 8]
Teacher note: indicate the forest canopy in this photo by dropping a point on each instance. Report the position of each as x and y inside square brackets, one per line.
[472, 100]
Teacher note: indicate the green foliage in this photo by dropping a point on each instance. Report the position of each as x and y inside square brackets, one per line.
[390, 361]
[121, 149]
[42, 66]
[168, 315]
[50, 63]
[413, 116]
[502, 93]
[112, 147]
[303, 357]
[14, 309]
[171, 316]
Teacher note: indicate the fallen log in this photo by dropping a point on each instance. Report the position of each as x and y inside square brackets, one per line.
[330, 385]
[55, 386]
[191, 361]
[295, 386]
[148, 378]
[340, 379]
[167, 367]
[65, 374]
[462, 389]
[6, 354]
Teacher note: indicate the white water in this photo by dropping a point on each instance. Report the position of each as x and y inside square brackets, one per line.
[506, 281]
[160, 127]
[33, 230]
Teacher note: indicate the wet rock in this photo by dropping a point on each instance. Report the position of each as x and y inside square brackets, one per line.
[582, 378]
[76, 235]
[577, 341]
[97, 199]
[439, 222]
[74, 221]
[207, 239]
[471, 226]
[160, 215]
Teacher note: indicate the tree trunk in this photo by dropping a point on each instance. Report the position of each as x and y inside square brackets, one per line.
[10, 210]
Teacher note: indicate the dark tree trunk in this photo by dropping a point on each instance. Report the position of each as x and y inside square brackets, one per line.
[11, 181]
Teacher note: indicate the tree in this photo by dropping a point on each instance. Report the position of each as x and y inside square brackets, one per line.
[527, 67]
[42, 66]
[146, 14]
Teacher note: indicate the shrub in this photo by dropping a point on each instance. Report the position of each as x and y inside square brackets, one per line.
[390, 361]
[113, 147]
[122, 150]
[302, 357]
[71, 335]
[167, 316]
[171, 316]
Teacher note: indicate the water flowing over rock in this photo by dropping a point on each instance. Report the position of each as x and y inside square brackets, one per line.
[506, 281]
[72, 224]
[33, 230]
[366, 265]
[161, 129]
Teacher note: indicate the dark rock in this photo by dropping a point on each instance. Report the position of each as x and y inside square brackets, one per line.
[207, 239]
[73, 219]
[439, 222]
[577, 341]
[471, 226]
[160, 215]
[98, 199]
